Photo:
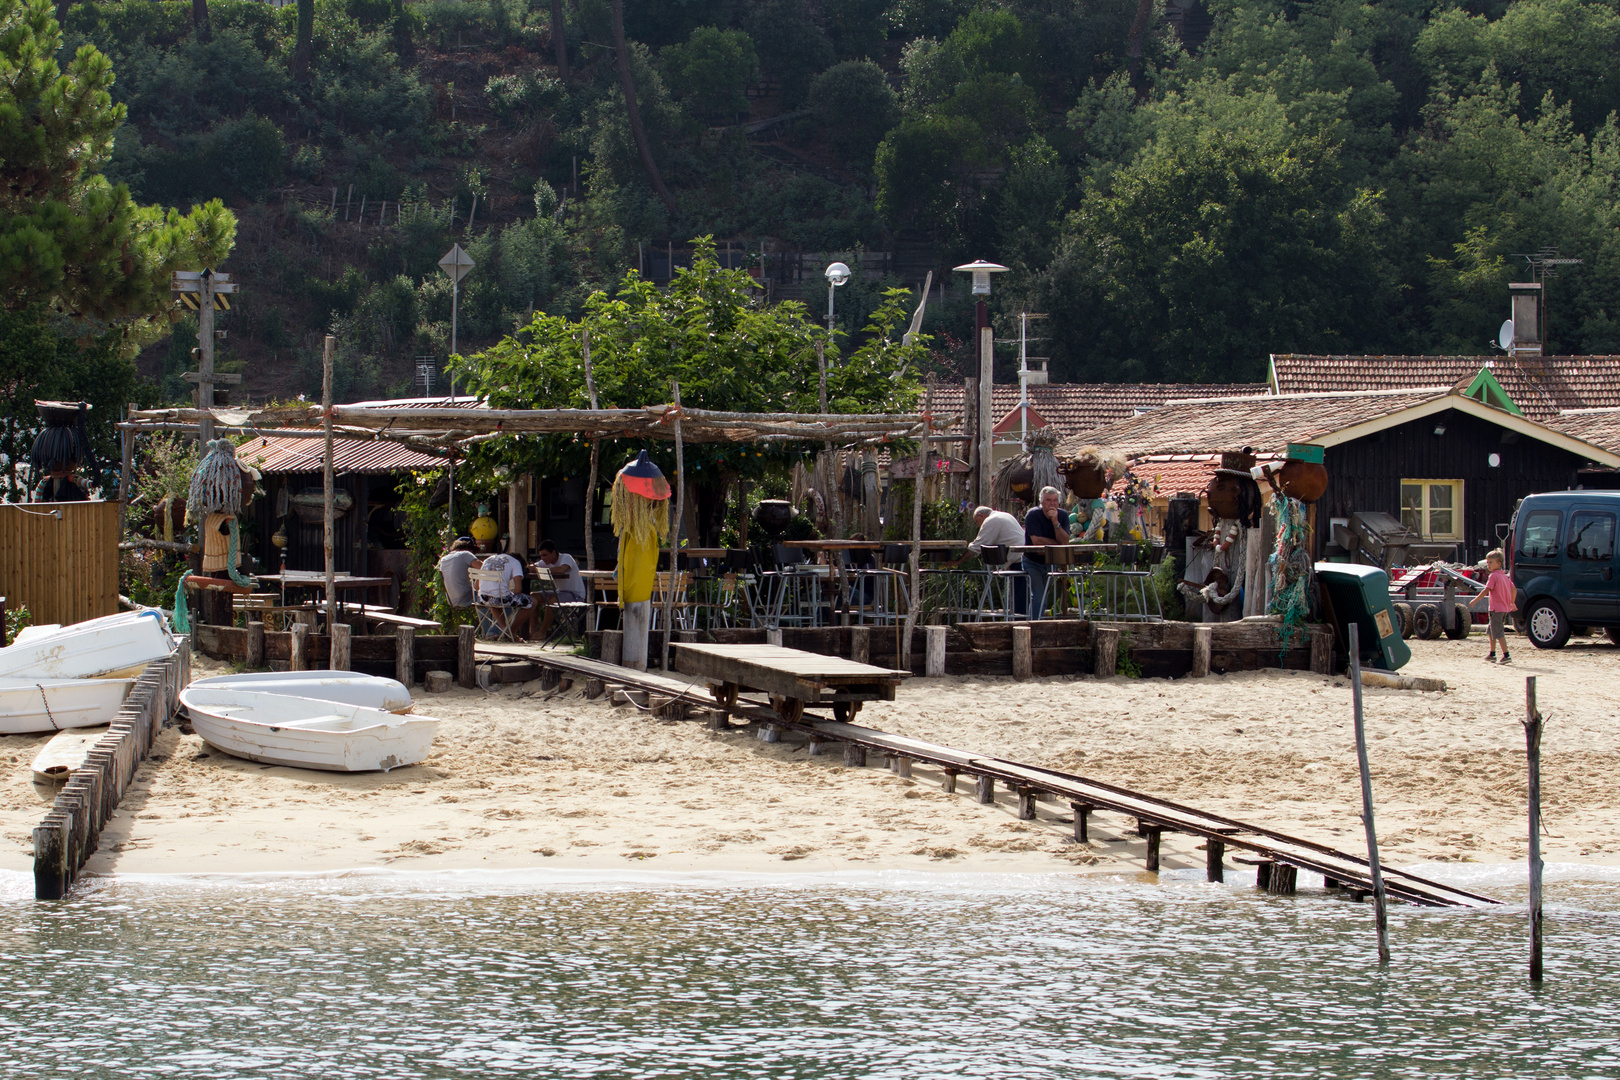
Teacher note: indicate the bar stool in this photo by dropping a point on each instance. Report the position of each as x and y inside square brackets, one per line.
[796, 598]
[1000, 592]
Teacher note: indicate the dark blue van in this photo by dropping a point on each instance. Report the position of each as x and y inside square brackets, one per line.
[1561, 555]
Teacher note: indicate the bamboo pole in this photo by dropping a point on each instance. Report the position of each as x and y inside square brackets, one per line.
[675, 529]
[327, 541]
[1532, 751]
[904, 659]
[1380, 901]
[596, 458]
[126, 469]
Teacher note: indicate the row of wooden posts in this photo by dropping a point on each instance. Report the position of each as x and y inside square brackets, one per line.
[68, 835]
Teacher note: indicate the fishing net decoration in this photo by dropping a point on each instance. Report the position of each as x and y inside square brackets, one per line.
[216, 485]
[1290, 567]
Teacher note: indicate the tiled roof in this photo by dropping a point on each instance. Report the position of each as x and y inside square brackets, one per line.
[1266, 423]
[1600, 426]
[1540, 386]
[278, 454]
[1076, 407]
[1172, 473]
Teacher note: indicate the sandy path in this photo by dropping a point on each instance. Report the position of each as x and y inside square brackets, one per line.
[519, 780]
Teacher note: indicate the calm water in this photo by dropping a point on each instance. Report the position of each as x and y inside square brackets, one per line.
[457, 975]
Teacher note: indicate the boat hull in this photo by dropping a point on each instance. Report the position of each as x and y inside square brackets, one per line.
[304, 733]
[371, 691]
[30, 707]
[112, 645]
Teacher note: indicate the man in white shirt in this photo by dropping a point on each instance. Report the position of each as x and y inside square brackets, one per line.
[997, 528]
[509, 594]
[565, 575]
[453, 567]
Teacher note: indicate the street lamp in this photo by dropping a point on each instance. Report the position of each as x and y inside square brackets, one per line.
[984, 347]
[837, 274]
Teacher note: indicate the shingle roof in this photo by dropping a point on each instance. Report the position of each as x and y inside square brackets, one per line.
[1600, 426]
[1267, 423]
[1540, 386]
[1076, 407]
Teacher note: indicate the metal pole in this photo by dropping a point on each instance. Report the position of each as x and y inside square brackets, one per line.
[1023, 381]
[205, 366]
[1532, 753]
[1380, 901]
[596, 459]
[821, 366]
[455, 304]
[327, 483]
[830, 288]
[987, 379]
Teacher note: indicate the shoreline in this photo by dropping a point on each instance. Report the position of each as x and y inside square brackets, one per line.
[523, 779]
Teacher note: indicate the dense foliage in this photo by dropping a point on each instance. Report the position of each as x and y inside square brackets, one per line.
[1184, 188]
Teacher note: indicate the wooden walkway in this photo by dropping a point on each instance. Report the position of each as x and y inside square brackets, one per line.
[794, 678]
[1278, 855]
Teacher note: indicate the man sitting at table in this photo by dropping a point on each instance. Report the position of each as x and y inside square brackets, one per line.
[1043, 525]
[997, 528]
[516, 606]
[565, 575]
[453, 568]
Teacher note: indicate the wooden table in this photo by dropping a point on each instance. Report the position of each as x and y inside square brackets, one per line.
[792, 677]
[1065, 554]
[344, 583]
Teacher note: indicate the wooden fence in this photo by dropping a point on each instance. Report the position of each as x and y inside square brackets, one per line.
[60, 559]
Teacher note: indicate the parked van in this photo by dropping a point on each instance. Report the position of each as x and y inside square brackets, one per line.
[1561, 555]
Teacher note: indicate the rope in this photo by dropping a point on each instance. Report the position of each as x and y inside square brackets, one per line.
[231, 558]
[182, 613]
[48, 714]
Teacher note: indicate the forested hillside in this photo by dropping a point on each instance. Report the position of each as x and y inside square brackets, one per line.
[1183, 188]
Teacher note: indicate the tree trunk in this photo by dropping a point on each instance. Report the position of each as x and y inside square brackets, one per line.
[633, 113]
[62, 7]
[199, 20]
[302, 42]
[559, 39]
[1133, 48]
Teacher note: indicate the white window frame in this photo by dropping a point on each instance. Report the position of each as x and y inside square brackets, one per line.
[1424, 511]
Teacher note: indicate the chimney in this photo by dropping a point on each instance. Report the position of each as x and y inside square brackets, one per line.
[1037, 371]
[1526, 298]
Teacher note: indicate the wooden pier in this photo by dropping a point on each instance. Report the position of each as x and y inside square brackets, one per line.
[1277, 856]
[71, 829]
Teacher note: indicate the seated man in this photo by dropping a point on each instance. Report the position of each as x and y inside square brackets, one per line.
[453, 568]
[517, 606]
[565, 575]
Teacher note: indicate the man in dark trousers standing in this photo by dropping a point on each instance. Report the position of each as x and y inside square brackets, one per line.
[1043, 525]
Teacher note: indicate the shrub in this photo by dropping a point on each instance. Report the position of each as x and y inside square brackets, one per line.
[856, 108]
[711, 70]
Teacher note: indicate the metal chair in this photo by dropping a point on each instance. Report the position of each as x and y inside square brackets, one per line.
[495, 602]
[1001, 589]
[570, 620]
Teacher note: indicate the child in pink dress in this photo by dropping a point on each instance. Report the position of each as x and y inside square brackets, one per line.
[1499, 589]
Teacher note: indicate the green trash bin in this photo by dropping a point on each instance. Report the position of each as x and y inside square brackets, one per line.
[1361, 594]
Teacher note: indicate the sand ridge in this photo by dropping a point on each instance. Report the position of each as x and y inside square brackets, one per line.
[530, 778]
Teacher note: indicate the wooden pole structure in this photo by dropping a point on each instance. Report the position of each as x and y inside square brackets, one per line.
[1380, 900]
[127, 439]
[675, 528]
[327, 483]
[903, 661]
[1532, 753]
[596, 460]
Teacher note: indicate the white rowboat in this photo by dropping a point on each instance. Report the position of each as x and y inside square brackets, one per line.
[58, 704]
[114, 645]
[65, 753]
[305, 733]
[371, 691]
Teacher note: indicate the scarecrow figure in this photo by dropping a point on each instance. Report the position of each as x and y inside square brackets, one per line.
[1217, 569]
[215, 498]
[60, 450]
[639, 511]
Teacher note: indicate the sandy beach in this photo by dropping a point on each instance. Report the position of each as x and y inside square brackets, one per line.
[523, 778]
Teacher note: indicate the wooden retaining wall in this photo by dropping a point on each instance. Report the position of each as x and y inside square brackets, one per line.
[71, 829]
[64, 568]
[1056, 646]
[259, 648]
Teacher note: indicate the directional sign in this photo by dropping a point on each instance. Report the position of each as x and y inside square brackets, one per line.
[196, 287]
[190, 300]
[196, 275]
[456, 263]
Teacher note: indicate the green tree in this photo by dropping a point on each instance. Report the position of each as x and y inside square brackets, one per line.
[69, 239]
[710, 70]
[856, 107]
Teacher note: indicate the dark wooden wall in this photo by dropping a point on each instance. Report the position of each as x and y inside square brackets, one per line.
[1365, 475]
[306, 545]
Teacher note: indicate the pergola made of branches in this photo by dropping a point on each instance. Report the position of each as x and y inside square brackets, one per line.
[447, 431]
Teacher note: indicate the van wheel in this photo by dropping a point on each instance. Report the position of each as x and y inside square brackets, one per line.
[1403, 612]
[1461, 623]
[1426, 622]
[1547, 624]
[1614, 634]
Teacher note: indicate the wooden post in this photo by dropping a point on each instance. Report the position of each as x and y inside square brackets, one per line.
[934, 664]
[1203, 642]
[596, 458]
[718, 721]
[1153, 833]
[300, 647]
[50, 859]
[127, 444]
[987, 790]
[1214, 860]
[341, 658]
[255, 645]
[903, 661]
[1254, 565]
[947, 783]
[773, 636]
[860, 644]
[1081, 813]
[674, 531]
[1026, 804]
[327, 518]
[854, 755]
[594, 688]
[1532, 754]
[1106, 647]
[1022, 654]
[1380, 914]
[1321, 650]
[613, 646]
[770, 733]
[405, 656]
[467, 657]
[517, 522]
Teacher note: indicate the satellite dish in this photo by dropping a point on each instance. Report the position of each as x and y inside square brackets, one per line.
[1504, 337]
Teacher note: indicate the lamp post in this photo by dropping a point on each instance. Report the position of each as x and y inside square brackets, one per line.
[984, 351]
[837, 275]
